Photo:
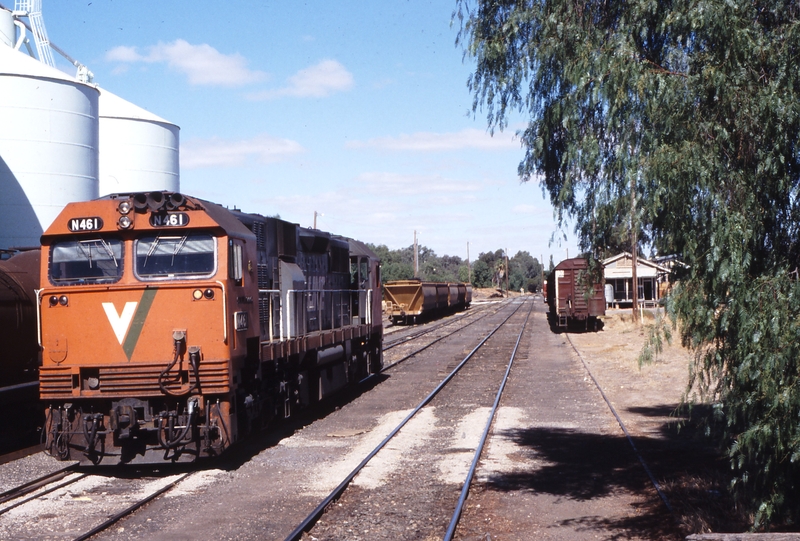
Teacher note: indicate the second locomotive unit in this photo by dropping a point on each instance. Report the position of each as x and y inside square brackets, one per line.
[171, 327]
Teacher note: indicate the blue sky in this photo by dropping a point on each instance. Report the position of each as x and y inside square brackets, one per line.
[358, 110]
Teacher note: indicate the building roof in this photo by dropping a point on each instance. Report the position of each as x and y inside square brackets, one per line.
[615, 267]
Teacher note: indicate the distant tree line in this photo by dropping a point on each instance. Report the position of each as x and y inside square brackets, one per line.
[489, 270]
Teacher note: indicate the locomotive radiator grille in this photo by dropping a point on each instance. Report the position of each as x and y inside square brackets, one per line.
[137, 380]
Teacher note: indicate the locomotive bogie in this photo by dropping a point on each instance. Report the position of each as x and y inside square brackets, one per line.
[172, 327]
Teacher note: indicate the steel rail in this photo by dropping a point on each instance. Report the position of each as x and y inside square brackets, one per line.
[19, 386]
[42, 493]
[439, 325]
[128, 510]
[313, 517]
[624, 429]
[35, 484]
[420, 350]
[451, 530]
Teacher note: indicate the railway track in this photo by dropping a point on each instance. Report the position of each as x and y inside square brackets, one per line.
[61, 491]
[613, 410]
[412, 333]
[83, 503]
[481, 354]
[18, 493]
[414, 349]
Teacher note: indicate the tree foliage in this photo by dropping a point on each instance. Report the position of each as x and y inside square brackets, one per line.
[526, 272]
[399, 265]
[690, 109]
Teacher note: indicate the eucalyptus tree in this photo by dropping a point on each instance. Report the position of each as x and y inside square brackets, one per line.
[677, 120]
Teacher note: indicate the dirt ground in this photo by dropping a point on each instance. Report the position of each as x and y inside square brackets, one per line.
[693, 474]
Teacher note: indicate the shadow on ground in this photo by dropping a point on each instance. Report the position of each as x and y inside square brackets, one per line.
[589, 325]
[692, 474]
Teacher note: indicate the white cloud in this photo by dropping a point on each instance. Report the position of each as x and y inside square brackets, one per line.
[526, 209]
[216, 152]
[398, 184]
[124, 54]
[316, 81]
[427, 141]
[202, 64]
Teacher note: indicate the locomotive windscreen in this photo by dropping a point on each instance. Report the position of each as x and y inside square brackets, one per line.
[188, 256]
[75, 261]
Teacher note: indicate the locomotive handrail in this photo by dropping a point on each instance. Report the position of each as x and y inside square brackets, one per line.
[288, 316]
[272, 293]
[291, 299]
[38, 293]
[224, 314]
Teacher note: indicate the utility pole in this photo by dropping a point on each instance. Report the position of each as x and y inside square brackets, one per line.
[469, 268]
[416, 257]
[507, 293]
[634, 261]
[315, 218]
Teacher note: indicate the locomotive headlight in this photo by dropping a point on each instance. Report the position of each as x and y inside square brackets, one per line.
[125, 222]
[63, 300]
[197, 294]
[53, 300]
[124, 207]
[208, 293]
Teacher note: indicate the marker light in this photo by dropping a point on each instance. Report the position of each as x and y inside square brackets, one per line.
[63, 300]
[209, 293]
[197, 294]
[124, 207]
[53, 300]
[125, 222]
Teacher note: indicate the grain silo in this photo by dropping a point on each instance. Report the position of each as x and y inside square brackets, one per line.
[138, 151]
[48, 145]
[7, 31]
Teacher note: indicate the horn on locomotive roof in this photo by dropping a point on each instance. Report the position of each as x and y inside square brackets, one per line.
[175, 200]
[140, 202]
[155, 200]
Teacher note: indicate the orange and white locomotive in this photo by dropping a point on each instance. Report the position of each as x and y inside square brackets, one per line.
[171, 326]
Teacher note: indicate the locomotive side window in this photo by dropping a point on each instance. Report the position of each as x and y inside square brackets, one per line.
[161, 257]
[86, 261]
[364, 273]
[235, 263]
[354, 272]
[359, 273]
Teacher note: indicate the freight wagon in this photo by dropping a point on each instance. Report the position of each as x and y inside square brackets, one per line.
[410, 301]
[19, 279]
[570, 298]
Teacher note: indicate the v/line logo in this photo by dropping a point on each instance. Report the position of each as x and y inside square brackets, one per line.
[121, 322]
[127, 325]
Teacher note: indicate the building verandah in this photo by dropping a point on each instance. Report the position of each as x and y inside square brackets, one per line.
[618, 273]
